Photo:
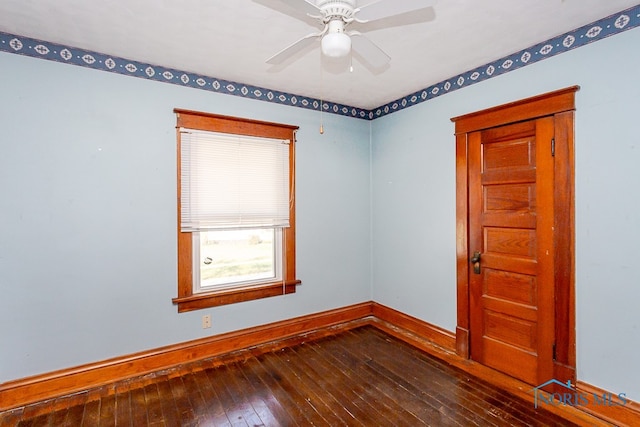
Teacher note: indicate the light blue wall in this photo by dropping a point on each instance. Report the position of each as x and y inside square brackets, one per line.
[87, 185]
[88, 214]
[413, 180]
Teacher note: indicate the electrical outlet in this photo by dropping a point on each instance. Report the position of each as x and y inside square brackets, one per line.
[206, 321]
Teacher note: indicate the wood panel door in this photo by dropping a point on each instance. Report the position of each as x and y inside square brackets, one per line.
[511, 181]
[515, 209]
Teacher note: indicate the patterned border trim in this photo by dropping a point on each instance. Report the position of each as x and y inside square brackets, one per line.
[55, 52]
[613, 24]
[598, 30]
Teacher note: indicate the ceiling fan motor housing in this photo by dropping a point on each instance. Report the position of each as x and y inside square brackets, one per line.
[337, 9]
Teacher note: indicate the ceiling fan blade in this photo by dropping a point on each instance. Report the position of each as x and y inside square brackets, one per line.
[385, 8]
[304, 6]
[294, 48]
[368, 50]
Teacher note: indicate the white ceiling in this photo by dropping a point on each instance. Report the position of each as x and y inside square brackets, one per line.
[231, 39]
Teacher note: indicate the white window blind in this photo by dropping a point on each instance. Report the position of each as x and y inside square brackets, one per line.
[233, 181]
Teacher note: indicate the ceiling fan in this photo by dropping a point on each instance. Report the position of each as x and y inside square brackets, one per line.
[335, 16]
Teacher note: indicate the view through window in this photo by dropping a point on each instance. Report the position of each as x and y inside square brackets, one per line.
[237, 257]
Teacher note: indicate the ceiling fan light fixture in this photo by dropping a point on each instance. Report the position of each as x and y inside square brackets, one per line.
[336, 45]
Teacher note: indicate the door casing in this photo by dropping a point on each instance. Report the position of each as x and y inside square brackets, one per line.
[561, 105]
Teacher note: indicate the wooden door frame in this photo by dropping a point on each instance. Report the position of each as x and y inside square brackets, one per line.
[561, 105]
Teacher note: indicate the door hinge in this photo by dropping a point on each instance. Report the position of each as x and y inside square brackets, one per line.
[553, 147]
[554, 351]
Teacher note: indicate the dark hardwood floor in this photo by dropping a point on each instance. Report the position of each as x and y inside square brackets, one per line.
[361, 377]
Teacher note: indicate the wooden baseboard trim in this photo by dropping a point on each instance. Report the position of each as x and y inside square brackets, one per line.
[610, 410]
[37, 388]
[424, 330]
[420, 334]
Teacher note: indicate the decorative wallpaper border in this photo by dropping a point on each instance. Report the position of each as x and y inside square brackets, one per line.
[598, 30]
[613, 24]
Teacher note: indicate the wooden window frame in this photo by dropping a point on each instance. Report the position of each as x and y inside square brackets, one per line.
[186, 299]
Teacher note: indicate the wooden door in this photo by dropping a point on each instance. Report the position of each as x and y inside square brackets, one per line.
[511, 211]
[514, 206]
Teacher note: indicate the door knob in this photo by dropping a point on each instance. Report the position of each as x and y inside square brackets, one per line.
[475, 260]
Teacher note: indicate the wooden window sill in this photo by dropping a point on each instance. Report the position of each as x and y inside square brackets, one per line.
[230, 296]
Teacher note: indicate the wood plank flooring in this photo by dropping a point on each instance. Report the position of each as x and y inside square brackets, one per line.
[361, 377]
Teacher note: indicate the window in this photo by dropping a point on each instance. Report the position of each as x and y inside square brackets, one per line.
[236, 210]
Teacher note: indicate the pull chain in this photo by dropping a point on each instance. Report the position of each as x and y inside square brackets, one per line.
[351, 61]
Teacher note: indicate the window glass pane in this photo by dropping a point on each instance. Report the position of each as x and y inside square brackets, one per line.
[237, 256]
